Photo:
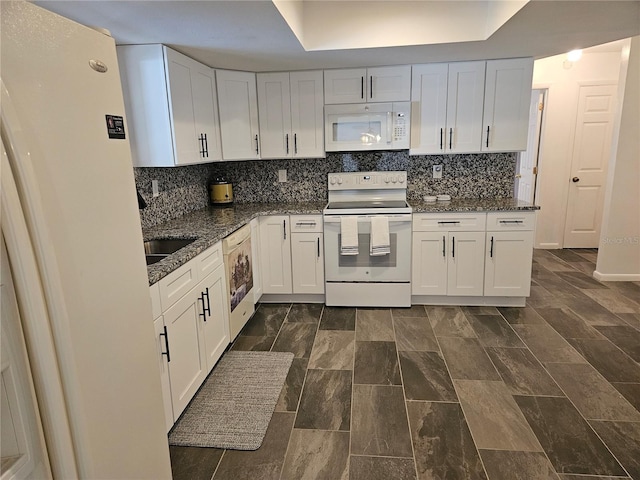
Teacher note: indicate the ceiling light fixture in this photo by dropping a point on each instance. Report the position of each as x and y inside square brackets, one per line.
[574, 55]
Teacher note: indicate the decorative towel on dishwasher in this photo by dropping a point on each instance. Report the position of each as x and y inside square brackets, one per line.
[349, 232]
[380, 244]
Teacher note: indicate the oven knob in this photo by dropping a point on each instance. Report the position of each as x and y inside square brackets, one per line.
[394, 179]
[386, 179]
[401, 178]
[332, 180]
[339, 180]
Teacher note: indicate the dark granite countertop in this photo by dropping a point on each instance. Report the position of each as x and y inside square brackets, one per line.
[472, 205]
[212, 224]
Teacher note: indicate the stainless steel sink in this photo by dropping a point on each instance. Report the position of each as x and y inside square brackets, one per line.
[157, 249]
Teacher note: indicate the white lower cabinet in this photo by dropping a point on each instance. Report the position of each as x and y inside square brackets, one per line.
[473, 255]
[188, 363]
[448, 263]
[275, 254]
[465, 268]
[509, 254]
[292, 254]
[215, 324]
[193, 331]
[307, 254]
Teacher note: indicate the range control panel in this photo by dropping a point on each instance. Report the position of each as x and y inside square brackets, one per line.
[367, 180]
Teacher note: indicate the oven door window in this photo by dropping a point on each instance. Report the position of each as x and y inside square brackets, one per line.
[394, 267]
[364, 259]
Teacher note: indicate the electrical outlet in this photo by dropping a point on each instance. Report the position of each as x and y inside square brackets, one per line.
[154, 188]
[437, 171]
[282, 176]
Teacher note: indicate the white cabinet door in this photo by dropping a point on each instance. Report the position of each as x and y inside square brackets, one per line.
[215, 322]
[506, 104]
[255, 254]
[274, 112]
[188, 366]
[275, 254]
[307, 119]
[171, 107]
[238, 104]
[465, 267]
[346, 85]
[205, 111]
[360, 85]
[508, 264]
[163, 363]
[181, 106]
[389, 84]
[429, 272]
[429, 109]
[307, 260]
[291, 114]
[465, 99]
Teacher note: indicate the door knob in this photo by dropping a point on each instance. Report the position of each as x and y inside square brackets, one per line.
[575, 179]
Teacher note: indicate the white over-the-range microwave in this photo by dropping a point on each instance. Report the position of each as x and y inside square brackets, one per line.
[367, 126]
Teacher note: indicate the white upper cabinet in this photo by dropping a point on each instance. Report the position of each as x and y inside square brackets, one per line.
[238, 104]
[429, 108]
[290, 112]
[360, 85]
[446, 107]
[171, 106]
[506, 104]
[465, 96]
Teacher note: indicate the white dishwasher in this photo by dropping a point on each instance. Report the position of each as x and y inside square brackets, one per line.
[237, 260]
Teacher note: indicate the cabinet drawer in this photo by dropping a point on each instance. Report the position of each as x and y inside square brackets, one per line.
[440, 222]
[209, 260]
[156, 306]
[517, 220]
[175, 285]
[306, 223]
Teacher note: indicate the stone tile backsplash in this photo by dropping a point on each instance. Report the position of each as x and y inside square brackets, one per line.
[184, 189]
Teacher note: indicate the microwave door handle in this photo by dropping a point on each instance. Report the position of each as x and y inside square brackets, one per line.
[389, 127]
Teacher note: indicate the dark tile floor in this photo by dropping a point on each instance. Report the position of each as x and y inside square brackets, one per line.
[549, 391]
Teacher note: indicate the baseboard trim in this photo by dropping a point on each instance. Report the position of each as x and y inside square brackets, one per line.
[468, 301]
[616, 277]
[291, 298]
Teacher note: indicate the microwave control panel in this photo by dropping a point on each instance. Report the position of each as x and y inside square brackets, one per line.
[399, 126]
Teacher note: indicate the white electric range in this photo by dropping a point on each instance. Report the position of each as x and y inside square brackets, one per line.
[363, 276]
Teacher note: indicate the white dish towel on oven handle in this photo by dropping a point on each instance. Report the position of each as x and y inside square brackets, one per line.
[379, 244]
[349, 235]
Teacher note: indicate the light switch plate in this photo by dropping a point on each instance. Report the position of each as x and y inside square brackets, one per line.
[437, 171]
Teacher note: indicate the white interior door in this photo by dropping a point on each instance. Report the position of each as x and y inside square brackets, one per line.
[525, 184]
[590, 158]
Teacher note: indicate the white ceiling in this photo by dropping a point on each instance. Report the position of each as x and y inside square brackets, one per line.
[254, 36]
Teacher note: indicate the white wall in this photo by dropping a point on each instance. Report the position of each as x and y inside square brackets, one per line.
[558, 130]
[619, 250]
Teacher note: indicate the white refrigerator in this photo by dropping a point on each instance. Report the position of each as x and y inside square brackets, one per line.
[81, 394]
